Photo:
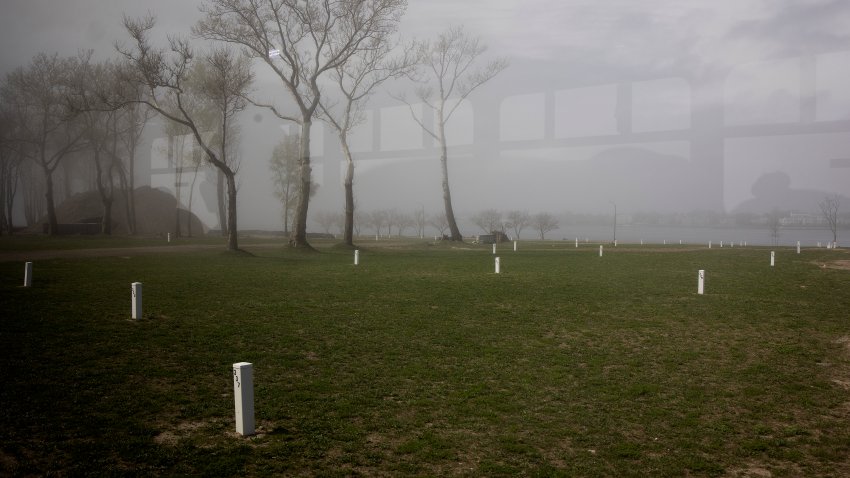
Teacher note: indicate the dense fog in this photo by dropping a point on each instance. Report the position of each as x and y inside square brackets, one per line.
[670, 113]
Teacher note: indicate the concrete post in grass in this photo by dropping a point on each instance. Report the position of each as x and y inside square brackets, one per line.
[721, 244]
[576, 243]
[615, 243]
[243, 392]
[356, 257]
[709, 244]
[701, 282]
[798, 247]
[136, 295]
[28, 274]
[498, 269]
[600, 250]
[494, 249]
[514, 246]
[168, 237]
[772, 258]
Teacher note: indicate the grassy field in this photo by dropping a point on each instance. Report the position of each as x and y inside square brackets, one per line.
[423, 361]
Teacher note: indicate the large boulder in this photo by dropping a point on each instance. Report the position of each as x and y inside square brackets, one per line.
[156, 213]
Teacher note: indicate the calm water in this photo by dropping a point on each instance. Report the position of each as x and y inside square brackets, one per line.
[693, 235]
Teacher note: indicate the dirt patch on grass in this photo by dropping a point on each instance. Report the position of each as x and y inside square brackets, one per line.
[843, 264]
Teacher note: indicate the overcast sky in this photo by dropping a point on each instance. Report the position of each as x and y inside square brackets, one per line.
[561, 45]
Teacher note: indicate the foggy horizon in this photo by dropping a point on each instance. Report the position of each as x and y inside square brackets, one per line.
[661, 107]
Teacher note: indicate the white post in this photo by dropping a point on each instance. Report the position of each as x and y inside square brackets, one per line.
[732, 244]
[168, 237]
[665, 242]
[494, 248]
[356, 257]
[798, 247]
[818, 244]
[709, 244]
[600, 250]
[641, 242]
[497, 266]
[772, 258]
[376, 237]
[514, 246]
[28, 274]
[136, 307]
[576, 242]
[721, 244]
[243, 392]
[701, 282]
[680, 242]
[615, 243]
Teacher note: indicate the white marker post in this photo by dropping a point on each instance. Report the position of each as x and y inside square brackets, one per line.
[701, 282]
[168, 237]
[576, 243]
[600, 250]
[615, 243]
[772, 258]
[136, 306]
[28, 274]
[514, 246]
[798, 247]
[356, 257]
[721, 244]
[494, 249]
[665, 242]
[709, 244]
[243, 392]
[498, 270]
[641, 242]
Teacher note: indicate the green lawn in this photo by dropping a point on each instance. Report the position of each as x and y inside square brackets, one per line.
[423, 361]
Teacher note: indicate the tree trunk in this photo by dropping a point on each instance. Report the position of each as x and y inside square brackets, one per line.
[447, 195]
[299, 239]
[348, 229]
[232, 235]
[52, 222]
[222, 209]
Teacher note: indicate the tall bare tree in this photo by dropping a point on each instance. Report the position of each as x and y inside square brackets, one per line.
[223, 88]
[829, 209]
[449, 76]
[301, 42]
[48, 125]
[357, 79]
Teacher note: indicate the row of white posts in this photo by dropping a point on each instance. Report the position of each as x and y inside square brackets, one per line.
[243, 375]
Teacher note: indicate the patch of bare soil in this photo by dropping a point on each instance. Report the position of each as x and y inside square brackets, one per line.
[843, 264]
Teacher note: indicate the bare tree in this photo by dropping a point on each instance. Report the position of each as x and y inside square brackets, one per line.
[543, 223]
[222, 86]
[489, 220]
[301, 42]
[357, 79]
[420, 220]
[829, 208]
[48, 126]
[518, 220]
[774, 223]
[449, 77]
[400, 220]
[440, 223]
[285, 175]
[100, 130]
[326, 220]
[10, 166]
